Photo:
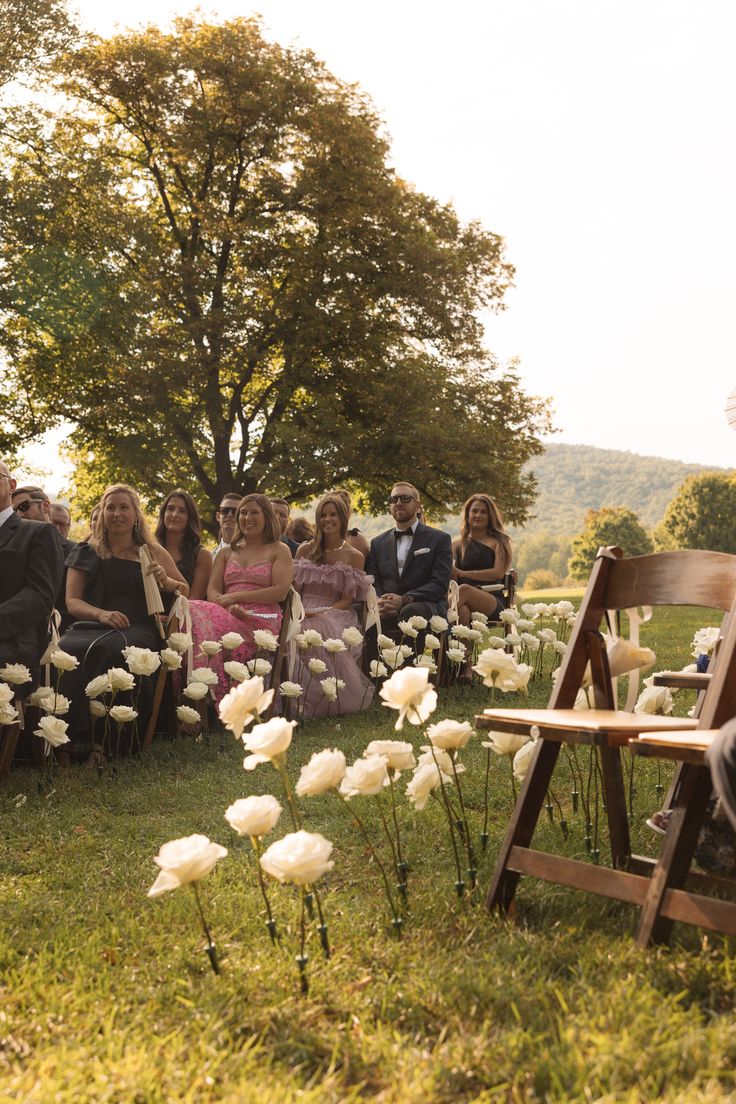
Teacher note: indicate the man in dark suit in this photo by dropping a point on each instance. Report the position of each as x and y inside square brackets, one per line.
[30, 573]
[282, 510]
[410, 564]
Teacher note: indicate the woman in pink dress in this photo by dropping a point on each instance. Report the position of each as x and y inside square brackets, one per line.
[249, 580]
[329, 576]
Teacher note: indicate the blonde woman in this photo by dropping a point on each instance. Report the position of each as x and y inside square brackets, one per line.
[480, 555]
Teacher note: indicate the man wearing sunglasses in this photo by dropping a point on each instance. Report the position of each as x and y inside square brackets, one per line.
[30, 574]
[410, 564]
[32, 504]
[226, 518]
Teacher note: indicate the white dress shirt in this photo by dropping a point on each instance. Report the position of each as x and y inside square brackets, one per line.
[5, 514]
[403, 544]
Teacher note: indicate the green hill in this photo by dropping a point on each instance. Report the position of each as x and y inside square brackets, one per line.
[573, 479]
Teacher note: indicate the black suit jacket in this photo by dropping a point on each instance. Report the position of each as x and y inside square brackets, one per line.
[31, 565]
[426, 574]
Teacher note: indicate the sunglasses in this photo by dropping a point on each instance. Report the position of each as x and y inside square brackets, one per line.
[23, 507]
[228, 511]
[393, 499]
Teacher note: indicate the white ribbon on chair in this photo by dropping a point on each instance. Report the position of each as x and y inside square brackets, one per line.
[635, 620]
[453, 596]
[181, 611]
[373, 614]
[296, 616]
[45, 662]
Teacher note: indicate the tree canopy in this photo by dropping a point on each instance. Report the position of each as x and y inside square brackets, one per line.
[212, 271]
[612, 525]
[701, 515]
[31, 32]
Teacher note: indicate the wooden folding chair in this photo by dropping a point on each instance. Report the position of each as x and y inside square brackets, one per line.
[9, 736]
[289, 626]
[666, 578]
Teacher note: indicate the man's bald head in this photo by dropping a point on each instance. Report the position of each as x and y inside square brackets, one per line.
[7, 486]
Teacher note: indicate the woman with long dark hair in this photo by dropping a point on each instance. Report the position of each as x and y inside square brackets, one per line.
[179, 530]
[481, 555]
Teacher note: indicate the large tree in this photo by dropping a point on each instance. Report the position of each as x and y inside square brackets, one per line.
[701, 515]
[212, 271]
[31, 33]
[611, 525]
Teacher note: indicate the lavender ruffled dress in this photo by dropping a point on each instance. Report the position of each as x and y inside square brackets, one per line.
[319, 586]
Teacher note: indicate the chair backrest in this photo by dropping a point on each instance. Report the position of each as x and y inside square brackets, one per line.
[665, 578]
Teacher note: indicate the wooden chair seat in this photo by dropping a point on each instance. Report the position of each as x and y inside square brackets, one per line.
[601, 727]
[682, 747]
[678, 680]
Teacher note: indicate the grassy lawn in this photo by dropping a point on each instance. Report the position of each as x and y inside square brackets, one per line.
[106, 995]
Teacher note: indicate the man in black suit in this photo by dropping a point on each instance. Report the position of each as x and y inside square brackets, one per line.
[410, 564]
[30, 573]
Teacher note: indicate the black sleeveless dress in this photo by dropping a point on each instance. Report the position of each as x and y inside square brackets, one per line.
[113, 584]
[478, 557]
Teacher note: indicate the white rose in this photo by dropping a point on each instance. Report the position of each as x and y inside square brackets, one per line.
[547, 635]
[378, 669]
[232, 640]
[560, 647]
[409, 692]
[455, 655]
[179, 641]
[365, 776]
[253, 816]
[323, 772]
[331, 687]
[141, 661]
[418, 622]
[479, 616]
[398, 754]
[450, 734]
[15, 673]
[205, 675]
[260, 667]
[37, 698]
[431, 643]
[475, 635]
[53, 731]
[385, 641]
[492, 663]
[317, 666]
[8, 713]
[408, 629]
[55, 703]
[243, 704]
[524, 626]
[265, 639]
[301, 858]
[238, 672]
[62, 661]
[333, 646]
[505, 743]
[290, 689]
[437, 624]
[440, 757]
[705, 640]
[210, 647]
[267, 741]
[423, 781]
[123, 714]
[170, 659]
[97, 686]
[196, 691]
[461, 632]
[187, 715]
[523, 758]
[97, 708]
[655, 699]
[513, 639]
[352, 636]
[498, 642]
[120, 679]
[312, 638]
[515, 679]
[509, 616]
[428, 662]
[451, 616]
[183, 861]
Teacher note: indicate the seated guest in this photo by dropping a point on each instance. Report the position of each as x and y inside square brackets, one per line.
[329, 576]
[299, 530]
[354, 537]
[32, 503]
[226, 519]
[30, 572]
[481, 554]
[178, 529]
[61, 519]
[248, 581]
[105, 594]
[281, 509]
[410, 565]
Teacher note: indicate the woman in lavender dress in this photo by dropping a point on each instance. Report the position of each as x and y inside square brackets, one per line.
[329, 576]
[249, 580]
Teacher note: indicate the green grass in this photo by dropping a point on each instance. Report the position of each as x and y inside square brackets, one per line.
[106, 995]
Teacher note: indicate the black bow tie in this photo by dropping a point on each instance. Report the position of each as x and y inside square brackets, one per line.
[403, 533]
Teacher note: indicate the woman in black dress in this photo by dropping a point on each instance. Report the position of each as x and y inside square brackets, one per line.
[105, 595]
[179, 530]
[481, 555]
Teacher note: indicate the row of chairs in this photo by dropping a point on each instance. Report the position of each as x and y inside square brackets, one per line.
[667, 889]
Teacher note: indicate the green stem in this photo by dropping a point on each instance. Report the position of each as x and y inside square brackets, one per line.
[211, 952]
[396, 921]
[459, 884]
[278, 763]
[472, 869]
[270, 923]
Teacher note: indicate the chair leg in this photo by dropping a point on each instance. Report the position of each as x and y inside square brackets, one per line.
[615, 797]
[9, 735]
[157, 696]
[678, 849]
[523, 822]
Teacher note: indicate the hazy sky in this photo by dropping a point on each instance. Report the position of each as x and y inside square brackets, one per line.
[598, 138]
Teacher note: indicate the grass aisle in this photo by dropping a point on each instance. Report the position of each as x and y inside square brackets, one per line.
[108, 996]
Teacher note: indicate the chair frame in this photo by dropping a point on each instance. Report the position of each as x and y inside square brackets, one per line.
[668, 578]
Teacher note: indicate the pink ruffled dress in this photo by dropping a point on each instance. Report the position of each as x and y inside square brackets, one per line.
[319, 586]
[211, 622]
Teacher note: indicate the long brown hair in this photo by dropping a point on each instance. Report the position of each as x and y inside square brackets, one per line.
[272, 528]
[192, 536]
[495, 529]
[141, 533]
[317, 551]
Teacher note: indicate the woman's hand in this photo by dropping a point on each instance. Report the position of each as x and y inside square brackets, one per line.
[224, 600]
[454, 574]
[114, 619]
[159, 573]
